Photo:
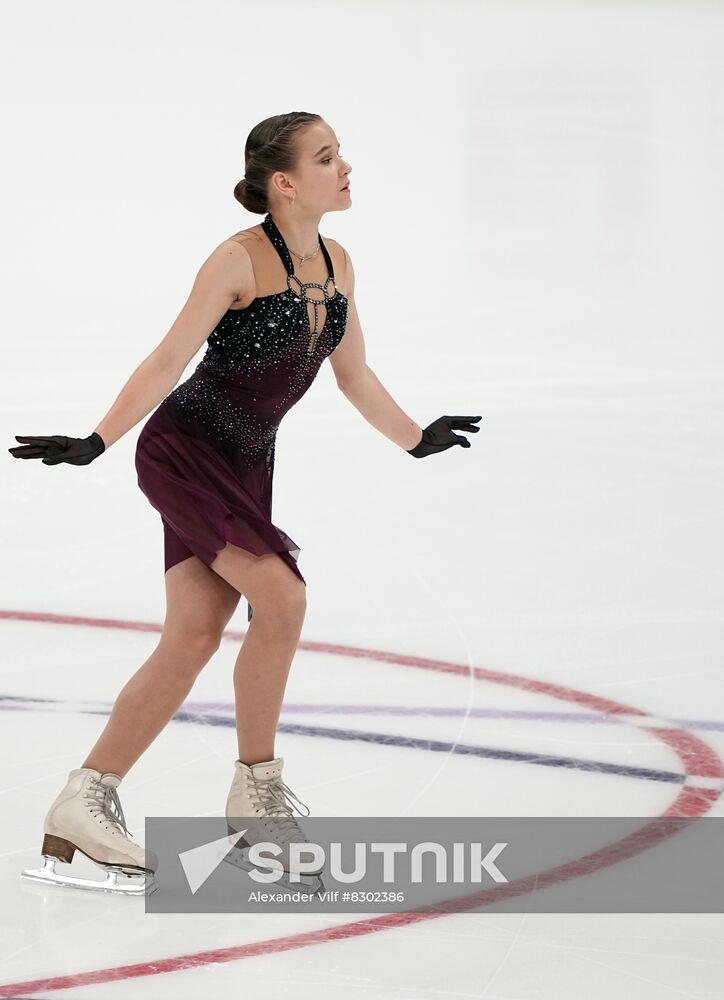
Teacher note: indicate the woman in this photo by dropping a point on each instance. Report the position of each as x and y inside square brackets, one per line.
[268, 303]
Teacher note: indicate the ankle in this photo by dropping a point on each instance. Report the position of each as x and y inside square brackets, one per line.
[104, 770]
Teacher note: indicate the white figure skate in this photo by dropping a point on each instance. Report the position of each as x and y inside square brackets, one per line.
[258, 792]
[87, 817]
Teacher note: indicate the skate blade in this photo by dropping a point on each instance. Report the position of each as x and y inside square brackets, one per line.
[117, 879]
[238, 857]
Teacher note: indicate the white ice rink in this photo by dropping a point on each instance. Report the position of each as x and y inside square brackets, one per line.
[537, 230]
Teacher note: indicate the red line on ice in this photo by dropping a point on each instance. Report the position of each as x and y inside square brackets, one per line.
[697, 759]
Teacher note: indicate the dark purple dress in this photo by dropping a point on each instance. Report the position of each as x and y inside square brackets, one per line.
[205, 456]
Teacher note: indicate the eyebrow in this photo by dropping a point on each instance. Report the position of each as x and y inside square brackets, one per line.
[322, 150]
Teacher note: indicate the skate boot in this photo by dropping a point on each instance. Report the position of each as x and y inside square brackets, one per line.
[87, 817]
[257, 805]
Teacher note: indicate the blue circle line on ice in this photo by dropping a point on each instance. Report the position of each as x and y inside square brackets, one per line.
[196, 714]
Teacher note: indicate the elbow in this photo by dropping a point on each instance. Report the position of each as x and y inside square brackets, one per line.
[171, 363]
[350, 382]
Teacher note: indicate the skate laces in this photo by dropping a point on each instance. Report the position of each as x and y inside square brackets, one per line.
[274, 794]
[106, 802]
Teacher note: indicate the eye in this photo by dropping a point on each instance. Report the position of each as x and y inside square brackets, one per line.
[328, 159]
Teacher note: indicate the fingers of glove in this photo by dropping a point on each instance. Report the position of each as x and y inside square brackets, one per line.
[464, 423]
[27, 451]
[32, 449]
[447, 423]
[57, 448]
[41, 438]
[38, 445]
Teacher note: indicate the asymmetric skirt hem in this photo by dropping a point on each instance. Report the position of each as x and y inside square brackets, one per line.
[234, 530]
[204, 500]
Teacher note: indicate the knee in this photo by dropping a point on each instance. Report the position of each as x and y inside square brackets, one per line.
[283, 608]
[194, 646]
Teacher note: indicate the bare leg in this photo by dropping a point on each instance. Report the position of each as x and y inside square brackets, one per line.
[278, 598]
[199, 606]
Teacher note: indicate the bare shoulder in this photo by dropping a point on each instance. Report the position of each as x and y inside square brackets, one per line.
[249, 236]
[230, 254]
[228, 267]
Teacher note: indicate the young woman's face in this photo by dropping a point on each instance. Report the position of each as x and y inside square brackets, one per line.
[321, 172]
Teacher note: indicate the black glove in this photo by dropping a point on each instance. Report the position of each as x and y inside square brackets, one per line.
[56, 449]
[438, 435]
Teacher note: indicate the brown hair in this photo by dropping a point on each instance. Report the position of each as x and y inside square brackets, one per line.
[270, 146]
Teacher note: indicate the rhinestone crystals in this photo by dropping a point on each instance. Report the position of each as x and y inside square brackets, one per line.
[246, 346]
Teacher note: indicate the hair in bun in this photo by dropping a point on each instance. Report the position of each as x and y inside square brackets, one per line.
[270, 146]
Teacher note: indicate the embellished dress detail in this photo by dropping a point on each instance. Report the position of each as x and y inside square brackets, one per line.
[205, 457]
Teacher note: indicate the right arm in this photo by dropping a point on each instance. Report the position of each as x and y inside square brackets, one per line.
[224, 276]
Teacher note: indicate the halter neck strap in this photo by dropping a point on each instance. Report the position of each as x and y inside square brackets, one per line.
[272, 231]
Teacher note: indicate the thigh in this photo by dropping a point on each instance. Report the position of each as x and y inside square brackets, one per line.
[266, 581]
[199, 602]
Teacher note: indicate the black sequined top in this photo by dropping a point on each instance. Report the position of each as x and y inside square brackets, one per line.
[243, 338]
[259, 362]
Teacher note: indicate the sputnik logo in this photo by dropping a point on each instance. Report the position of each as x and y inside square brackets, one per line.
[199, 863]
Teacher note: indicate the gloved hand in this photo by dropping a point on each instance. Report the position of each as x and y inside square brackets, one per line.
[438, 435]
[56, 449]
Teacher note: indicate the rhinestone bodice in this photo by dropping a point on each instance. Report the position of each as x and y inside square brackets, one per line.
[259, 362]
[248, 343]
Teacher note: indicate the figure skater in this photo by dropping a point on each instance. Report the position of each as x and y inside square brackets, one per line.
[268, 304]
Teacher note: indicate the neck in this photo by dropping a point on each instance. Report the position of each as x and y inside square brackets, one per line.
[299, 230]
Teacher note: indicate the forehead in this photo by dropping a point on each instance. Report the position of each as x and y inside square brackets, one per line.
[316, 135]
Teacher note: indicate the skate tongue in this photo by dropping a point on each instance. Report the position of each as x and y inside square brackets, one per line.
[268, 768]
[109, 778]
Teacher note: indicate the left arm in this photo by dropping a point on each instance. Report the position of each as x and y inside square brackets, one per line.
[361, 386]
